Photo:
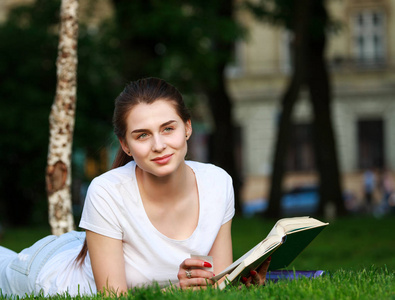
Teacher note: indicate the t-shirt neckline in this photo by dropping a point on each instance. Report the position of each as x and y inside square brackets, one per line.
[146, 218]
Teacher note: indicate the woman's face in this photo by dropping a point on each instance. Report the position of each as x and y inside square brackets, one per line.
[156, 137]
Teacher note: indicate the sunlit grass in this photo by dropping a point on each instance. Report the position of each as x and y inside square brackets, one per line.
[357, 253]
[364, 284]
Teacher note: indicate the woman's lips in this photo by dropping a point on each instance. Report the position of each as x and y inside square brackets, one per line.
[162, 159]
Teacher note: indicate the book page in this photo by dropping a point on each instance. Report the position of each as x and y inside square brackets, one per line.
[299, 223]
[277, 230]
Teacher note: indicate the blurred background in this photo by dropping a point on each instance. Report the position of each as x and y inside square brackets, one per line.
[233, 63]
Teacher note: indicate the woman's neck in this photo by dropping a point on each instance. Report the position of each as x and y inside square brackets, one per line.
[166, 188]
[172, 202]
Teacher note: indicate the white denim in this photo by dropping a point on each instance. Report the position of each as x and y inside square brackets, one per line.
[18, 272]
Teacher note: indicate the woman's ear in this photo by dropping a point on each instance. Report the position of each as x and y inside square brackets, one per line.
[125, 147]
[188, 129]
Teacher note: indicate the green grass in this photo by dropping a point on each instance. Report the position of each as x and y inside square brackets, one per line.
[363, 284]
[19, 238]
[357, 253]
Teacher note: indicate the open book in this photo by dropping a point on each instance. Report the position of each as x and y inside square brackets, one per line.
[284, 243]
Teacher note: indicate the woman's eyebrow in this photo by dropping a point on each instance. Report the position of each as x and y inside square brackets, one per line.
[168, 123]
[163, 125]
[138, 130]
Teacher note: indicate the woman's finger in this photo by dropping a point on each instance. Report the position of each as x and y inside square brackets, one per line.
[195, 282]
[194, 263]
[194, 268]
[262, 271]
[257, 277]
[196, 273]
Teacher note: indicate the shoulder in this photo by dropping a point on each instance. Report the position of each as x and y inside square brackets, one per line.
[115, 176]
[215, 191]
[209, 171]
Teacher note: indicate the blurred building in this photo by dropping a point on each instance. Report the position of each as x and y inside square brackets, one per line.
[90, 12]
[7, 5]
[361, 58]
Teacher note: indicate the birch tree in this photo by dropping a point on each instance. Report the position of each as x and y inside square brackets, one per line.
[61, 123]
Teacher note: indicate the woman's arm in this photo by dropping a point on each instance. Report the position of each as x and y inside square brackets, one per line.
[221, 251]
[108, 263]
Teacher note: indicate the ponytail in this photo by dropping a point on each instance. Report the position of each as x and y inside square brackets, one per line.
[83, 253]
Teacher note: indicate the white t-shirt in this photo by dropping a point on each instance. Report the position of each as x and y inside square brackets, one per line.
[113, 208]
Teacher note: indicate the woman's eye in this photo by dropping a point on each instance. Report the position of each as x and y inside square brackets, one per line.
[141, 136]
[168, 129]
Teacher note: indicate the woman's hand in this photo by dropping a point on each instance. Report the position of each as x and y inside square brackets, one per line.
[192, 275]
[257, 277]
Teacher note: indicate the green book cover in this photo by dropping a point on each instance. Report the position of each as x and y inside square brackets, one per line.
[288, 238]
[293, 244]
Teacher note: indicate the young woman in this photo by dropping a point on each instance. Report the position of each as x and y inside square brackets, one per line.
[144, 218]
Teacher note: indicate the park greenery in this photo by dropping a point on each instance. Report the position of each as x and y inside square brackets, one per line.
[109, 56]
[28, 76]
[189, 45]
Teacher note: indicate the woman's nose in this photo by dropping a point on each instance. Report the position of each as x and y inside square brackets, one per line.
[158, 144]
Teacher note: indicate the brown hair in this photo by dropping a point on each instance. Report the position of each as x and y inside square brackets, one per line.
[146, 90]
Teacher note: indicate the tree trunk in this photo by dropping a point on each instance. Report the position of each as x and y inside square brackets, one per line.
[320, 96]
[223, 143]
[61, 120]
[284, 129]
[300, 23]
[223, 139]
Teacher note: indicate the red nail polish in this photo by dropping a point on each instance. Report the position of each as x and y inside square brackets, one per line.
[244, 279]
[207, 264]
[269, 259]
[253, 272]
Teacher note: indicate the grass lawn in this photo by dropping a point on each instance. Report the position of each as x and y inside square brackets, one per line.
[357, 253]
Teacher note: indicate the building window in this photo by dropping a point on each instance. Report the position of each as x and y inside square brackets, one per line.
[370, 144]
[301, 155]
[236, 66]
[369, 37]
[286, 52]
